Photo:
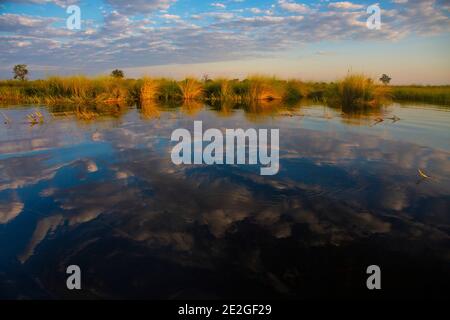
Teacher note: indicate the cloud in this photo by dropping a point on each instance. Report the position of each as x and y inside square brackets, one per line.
[170, 17]
[345, 5]
[293, 6]
[24, 23]
[60, 3]
[126, 41]
[140, 6]
[218, 5]
[9, 211]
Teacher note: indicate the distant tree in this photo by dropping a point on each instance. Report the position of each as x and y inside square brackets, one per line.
[117, 74]
[385, 79]
[206, 78]
[20, 71]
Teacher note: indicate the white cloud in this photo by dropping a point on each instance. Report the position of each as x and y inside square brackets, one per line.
[218, 5]
[293, 6]
[129, 42]
[140, 6]
[170, 17]
[345, 5]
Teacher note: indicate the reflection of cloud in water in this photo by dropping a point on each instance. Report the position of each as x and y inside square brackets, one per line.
[9, 210]
[44, 226]
[91, 166]
[20, 172]
[80, 205]
[333, 190]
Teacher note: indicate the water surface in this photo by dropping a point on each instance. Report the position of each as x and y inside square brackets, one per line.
[103, 194]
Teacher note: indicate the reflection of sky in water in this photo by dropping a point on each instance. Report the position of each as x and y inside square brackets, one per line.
[104, 195]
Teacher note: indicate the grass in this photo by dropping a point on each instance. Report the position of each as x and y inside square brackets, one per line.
[355, 91]
[190, 89]
[430, 94]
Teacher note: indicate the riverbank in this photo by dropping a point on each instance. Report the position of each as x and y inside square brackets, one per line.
[354, 91]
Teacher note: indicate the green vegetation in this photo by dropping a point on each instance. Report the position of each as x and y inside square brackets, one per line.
[353, 92]
[117, 74]
[357, 91]
[114, 89]
[20, 71]
[385, 79]
[430, 94]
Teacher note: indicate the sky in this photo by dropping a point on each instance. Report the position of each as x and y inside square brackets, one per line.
[311, 40]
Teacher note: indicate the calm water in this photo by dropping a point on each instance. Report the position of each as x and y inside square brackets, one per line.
[103, 194]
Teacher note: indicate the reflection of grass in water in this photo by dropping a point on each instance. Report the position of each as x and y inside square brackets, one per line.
[149, 109]
[86, 115]
[191, 107]
[223, 108]
[256, 110]
[364, 117]
[87, 112]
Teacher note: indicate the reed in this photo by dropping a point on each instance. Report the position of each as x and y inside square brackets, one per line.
[190, 89]
[430, 94]
[149, 90]
[295, 90]
[357, 91]
[169, 90]
[219, 90]
[353, 92]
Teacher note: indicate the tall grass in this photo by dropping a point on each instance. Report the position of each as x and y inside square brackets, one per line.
[430, 94]
[220, 89]
[149, 90]
[357, 91]
[190, 89]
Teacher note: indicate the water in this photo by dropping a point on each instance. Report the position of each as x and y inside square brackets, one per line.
[103, 194]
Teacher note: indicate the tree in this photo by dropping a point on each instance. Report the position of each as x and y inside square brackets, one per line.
[205, 78]
[20, 71]
[117, 74]
[385, 79]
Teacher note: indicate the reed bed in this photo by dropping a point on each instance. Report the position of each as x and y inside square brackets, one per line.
[429, 94]
[355, 91]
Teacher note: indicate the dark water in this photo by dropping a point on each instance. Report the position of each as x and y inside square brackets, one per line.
[103, 194]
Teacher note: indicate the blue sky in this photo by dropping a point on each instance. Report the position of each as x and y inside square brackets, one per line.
[311, 40]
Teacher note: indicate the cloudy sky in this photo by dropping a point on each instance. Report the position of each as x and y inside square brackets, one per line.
[312, 40]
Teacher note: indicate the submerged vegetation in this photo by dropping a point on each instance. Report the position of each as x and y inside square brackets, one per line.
[353, 92]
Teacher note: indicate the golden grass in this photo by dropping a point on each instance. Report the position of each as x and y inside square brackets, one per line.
[357, 91]
[35, 118]
[353, 92]
[191, 89]
[149, 109]
[149, 90]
